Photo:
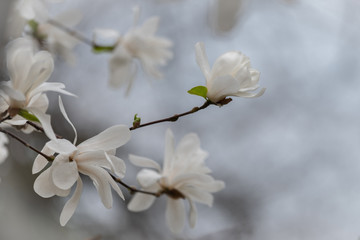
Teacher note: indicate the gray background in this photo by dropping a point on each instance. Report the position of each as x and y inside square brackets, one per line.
[290, 159]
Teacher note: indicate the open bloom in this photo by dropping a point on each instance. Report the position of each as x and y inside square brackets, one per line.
[93, 157]
[231, 75]
[141, 43]
[184, 176]
[25, 91]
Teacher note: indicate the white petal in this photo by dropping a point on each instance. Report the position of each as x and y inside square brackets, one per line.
[147, 177]
[250, 95]
[62, 110]
[150, 26]
[115, 186]
[169, 149]
[175, 215]
[192, 214]
[44, 120]
[222, 87]
[71, 204]
[13, 93]
[144, 162]
[202, 59]
[50, 86]
[140, 202]
[61, 146]
[64, 174]
[43, 185]
[99, 177]
[122, 68]
[40, 162]
[109, 139]
[40, 71]
[197, 195]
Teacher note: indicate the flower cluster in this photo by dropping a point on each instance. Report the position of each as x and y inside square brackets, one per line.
[184, 177]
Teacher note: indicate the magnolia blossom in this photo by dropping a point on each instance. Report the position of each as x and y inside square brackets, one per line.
[141, 43]
[93, 157]
[3, 150]
[231, 75]
[184, 177]
[25, 91]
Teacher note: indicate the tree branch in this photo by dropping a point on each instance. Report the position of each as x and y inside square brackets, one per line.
[173, 118]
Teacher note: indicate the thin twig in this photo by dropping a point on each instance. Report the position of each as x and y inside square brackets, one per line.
[71, 32]
[175, 117]
[133, 190]
[49, 158]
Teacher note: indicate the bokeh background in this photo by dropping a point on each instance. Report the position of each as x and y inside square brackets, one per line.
[290, 159]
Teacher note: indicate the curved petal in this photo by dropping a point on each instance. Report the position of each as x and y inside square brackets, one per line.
[62, 110]
[197, 195]
[40, 162]
[147, 177]
[44, 120]
[50, 86]
[71, 204]
[111, 138]
[141, 202]
[43, 185]
[40, 71]
[192, 214]
[229, 63]
[99, 177]
[144, 162]
[221, 87]
[65, 174]
[61, 146]
[250, 95]
[202, 59]
[169, 149]
[122, 68]
[175, 215]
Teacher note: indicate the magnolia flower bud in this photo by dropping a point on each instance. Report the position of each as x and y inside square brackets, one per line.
[231, 75]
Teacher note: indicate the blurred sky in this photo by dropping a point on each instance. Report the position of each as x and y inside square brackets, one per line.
[290, 159]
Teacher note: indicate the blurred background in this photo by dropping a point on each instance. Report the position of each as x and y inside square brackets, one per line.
[290, 159]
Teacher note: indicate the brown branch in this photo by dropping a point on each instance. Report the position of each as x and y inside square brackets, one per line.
[175, 117]
[49, 158]
[133, 190]
[39, 128]
[71, 32]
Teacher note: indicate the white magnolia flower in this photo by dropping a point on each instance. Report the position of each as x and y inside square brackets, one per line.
[140, 43]
[231, 75]
[93, 157]
[25, 91]
[184, 176]
[3, 149]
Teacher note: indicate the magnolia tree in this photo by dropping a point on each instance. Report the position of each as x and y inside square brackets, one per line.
[62, 163]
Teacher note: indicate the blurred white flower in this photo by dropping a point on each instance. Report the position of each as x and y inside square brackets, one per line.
[224, 15]
[140, 43]
[184, 176]
[231, 75]
[25, 91]
[3, 149]
[92, 157]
